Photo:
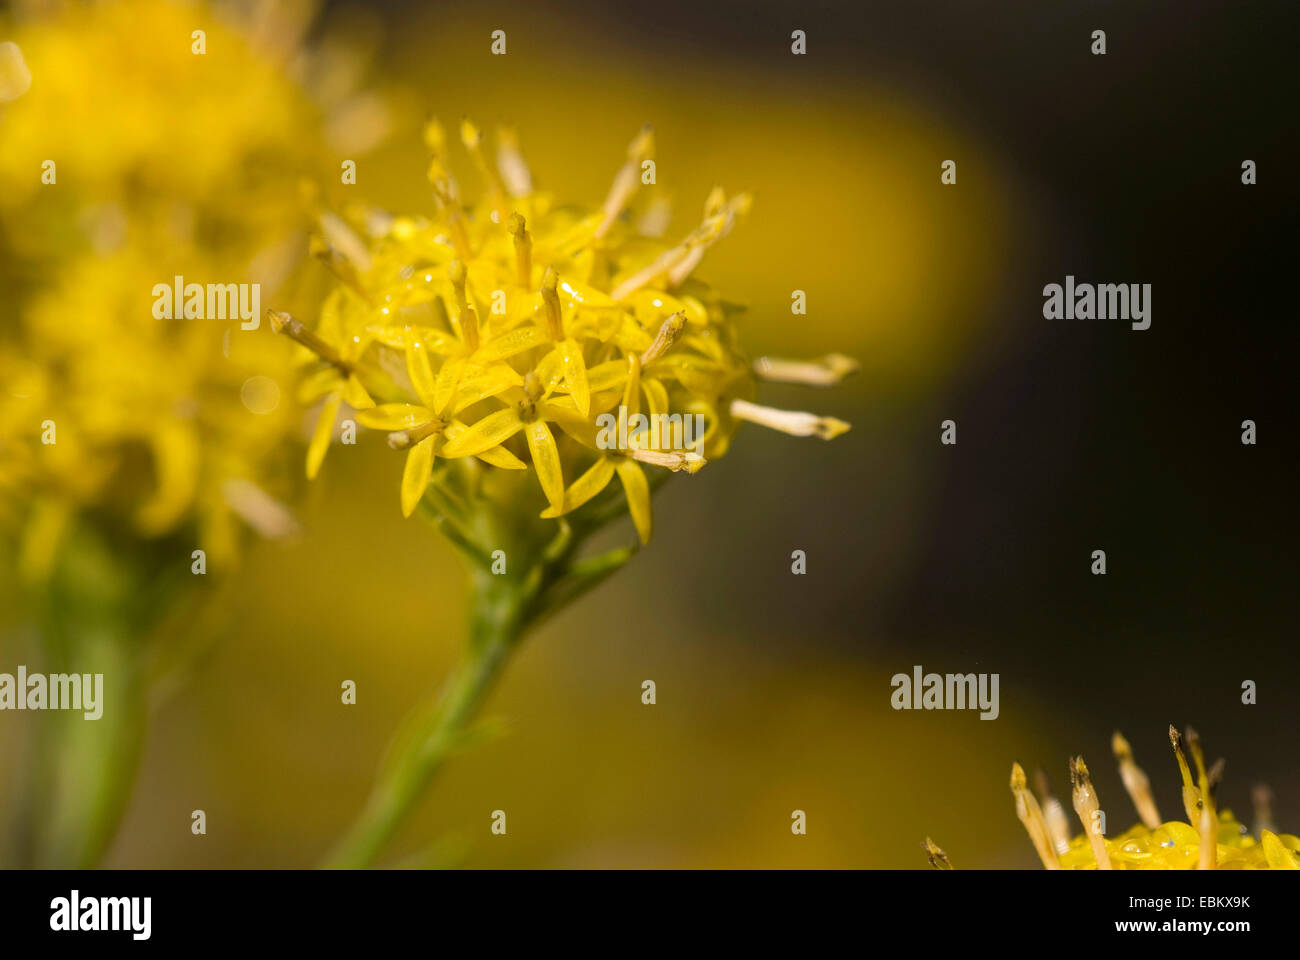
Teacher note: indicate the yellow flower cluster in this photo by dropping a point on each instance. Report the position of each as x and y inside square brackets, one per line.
[126, 158]
[513, 329]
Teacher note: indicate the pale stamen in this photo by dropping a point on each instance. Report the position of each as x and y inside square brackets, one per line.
[261, 511]
[469, 135]
[1136, 782]
[1191, 796]
[511, 163]
[822, 372]
[468, 319]
[1207, 824]
[551, 299]
[668, 333]
[518, 228]
[297, 331]
[443, 190]
[1058, 824]
[690, 462]
[626, 180]
[794, 422]
[938, 859]
[402, 439]
[1031, 816]
[1087, 807]
[1261, 798]
[339, 265]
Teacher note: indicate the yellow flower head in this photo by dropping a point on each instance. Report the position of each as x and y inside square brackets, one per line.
[1209, 839]
[559, 342]
[127, 158]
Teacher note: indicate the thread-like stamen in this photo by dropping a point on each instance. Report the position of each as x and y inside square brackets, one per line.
[339, 265]
[268, 516]
[675, 265]
[668, 333]
[1207, 824]
[1136, 782]
[632, 389]
[551, 299]
[468, 319]
[297, 331]
[719, 219]
[1058, 824]
[470, 136]
[822, 372]
[626, 180]
[455, 216]
[402, 439]
[1191, 796]
[690, 462]
[1087, 807]
[435, 138]
[1262, 799]
[794, 422]
[1031, 816]
[518, 228]
[938, 859]
[511, 163]
[343, 238]
[1215, 777]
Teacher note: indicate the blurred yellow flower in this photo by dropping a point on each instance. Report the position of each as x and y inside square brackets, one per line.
[132, 159]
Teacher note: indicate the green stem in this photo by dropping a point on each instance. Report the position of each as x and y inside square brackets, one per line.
[502, 610]
[434, 732]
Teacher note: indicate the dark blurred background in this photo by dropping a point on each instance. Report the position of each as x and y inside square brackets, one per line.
[1073, 435]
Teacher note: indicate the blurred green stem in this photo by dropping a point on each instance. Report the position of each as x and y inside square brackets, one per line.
[430, 736]
[82, 770]
[502, 610]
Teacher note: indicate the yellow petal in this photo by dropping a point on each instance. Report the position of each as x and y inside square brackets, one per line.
[489, 383]
[697, 374]
[510, 343]
[585, 487]
[492, 430]
[656, 397]
[637, 491]
[415, 476]
[320, 438]
[449, 377]
[575, 374]
[497, 456]
[355, 394]
[394, 416]
[317, 384]
[561, 411]
[419, 370]
[610, 375]
[546, 458]
[1277, 855]
[503, 458]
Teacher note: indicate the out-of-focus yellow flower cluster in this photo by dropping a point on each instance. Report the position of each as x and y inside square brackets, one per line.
[130, 158]
[533, 336]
